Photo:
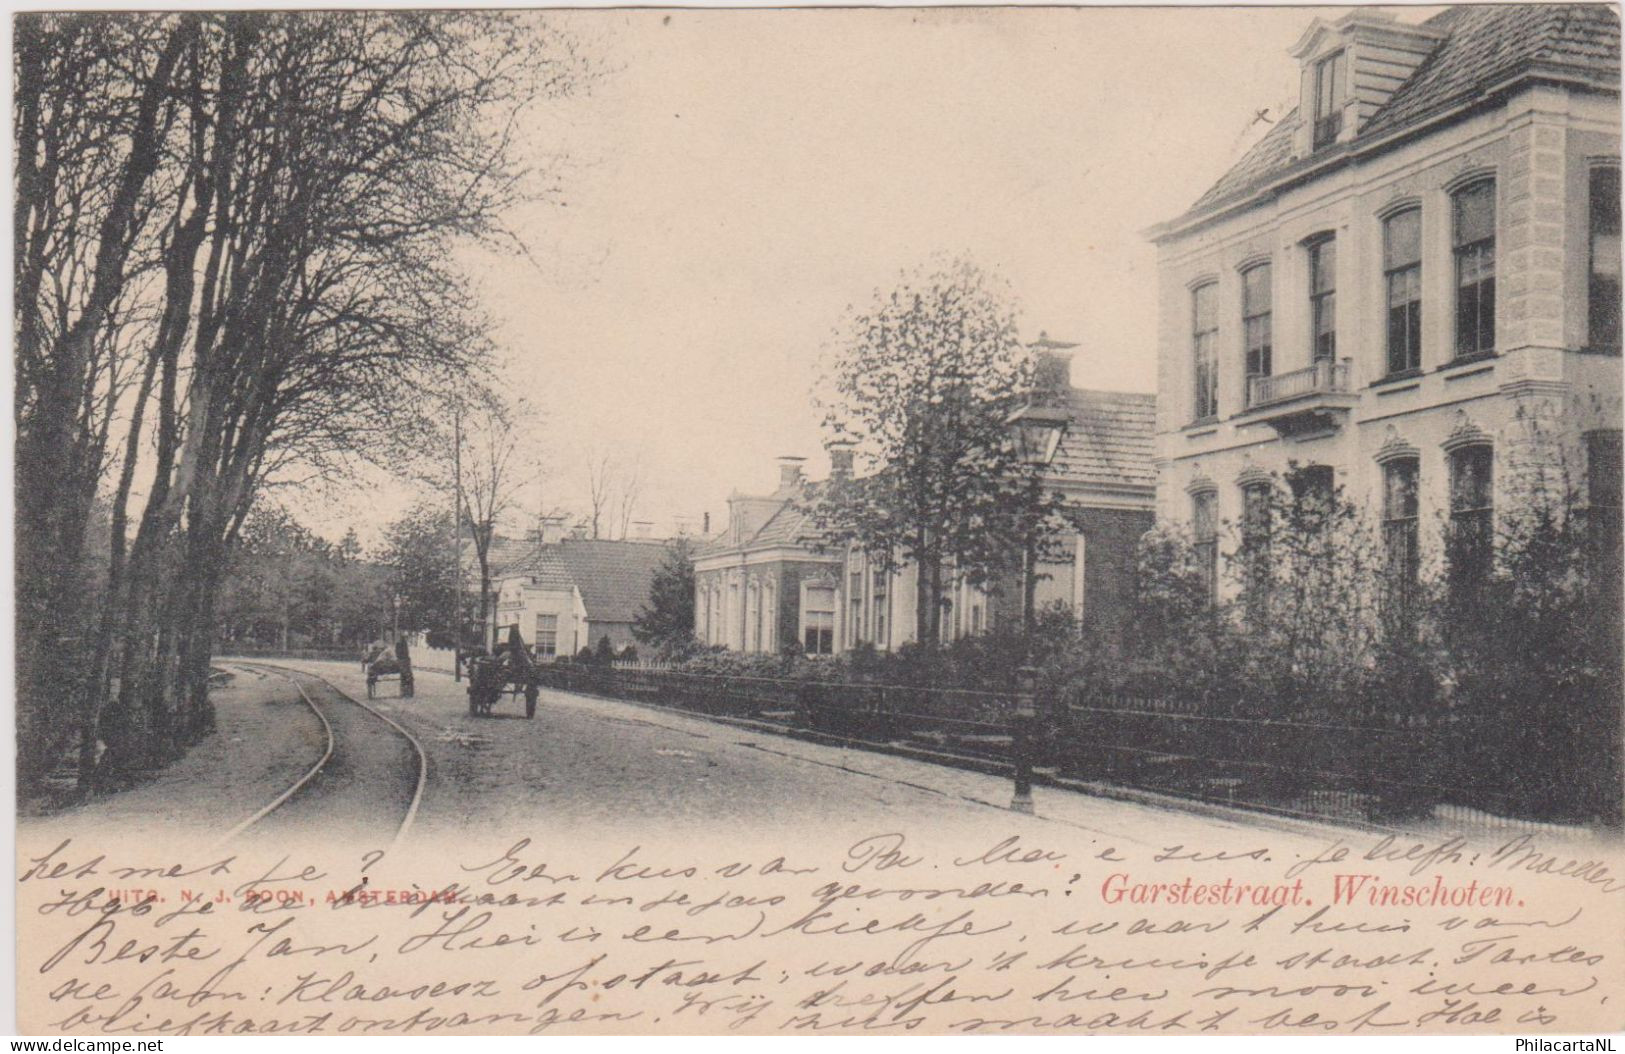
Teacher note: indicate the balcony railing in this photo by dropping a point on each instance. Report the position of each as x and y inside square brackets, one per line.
[1323, 378]
[1327, 129]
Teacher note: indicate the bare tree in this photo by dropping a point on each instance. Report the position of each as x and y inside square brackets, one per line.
[629, 490]
[601, 471]
[495, 472]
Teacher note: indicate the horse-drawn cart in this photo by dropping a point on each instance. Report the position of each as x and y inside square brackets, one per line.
[381, 665]
[508, 672]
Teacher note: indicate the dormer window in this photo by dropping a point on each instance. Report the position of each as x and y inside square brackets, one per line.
[1329, 96]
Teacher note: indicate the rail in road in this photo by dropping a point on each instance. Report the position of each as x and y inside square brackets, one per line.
[371, 770]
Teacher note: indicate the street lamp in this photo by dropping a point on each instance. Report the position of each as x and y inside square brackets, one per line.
[1036, 429]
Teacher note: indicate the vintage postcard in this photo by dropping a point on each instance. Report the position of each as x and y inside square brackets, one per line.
[936, 521]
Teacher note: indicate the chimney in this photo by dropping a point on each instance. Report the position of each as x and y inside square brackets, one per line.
[840, 460]
[553, 530]
[705, 525]
[789, 472]
[1052, 367]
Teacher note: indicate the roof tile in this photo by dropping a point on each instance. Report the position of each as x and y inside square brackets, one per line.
[1487, 45]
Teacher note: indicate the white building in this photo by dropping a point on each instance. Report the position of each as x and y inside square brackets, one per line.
[1411, 274]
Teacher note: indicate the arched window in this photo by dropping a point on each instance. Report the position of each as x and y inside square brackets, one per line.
[1402, 276]
[1256, 322]
[1473, 236]
[1205, 533]
[1323, 298]
[1400, 513]
[1204, 350]
[1472, 513]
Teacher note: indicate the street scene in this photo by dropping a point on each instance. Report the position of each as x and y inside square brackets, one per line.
[1138, 428]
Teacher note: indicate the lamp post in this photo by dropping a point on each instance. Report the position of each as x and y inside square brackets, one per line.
[1036, 430]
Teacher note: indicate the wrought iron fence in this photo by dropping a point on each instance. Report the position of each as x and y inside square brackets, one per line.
[1385, 769]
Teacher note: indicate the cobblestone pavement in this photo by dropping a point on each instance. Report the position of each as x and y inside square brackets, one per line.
[587, 764]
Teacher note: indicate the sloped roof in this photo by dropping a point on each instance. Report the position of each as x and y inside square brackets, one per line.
[1487, 46]
[505, 555]
[1268, 158]
[544, 567]
[790, 526]
[1109, 441]
[1490, 43]
[614, 577]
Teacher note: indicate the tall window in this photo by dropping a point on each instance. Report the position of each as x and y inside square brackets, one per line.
[1474, 240]
[1329, 99]
[1314, 490]
[1472, 513]
[1205, 348]
[1607, 507]
[753, 617]
[1323, 298]
[770, 614]
[1402, 270]
[547, 636]
[1256, 514]
[818, 621]
[854, 603]
[881, 607]
[1604, 292]
[1399, 521]
[1255, 320]
[1205, 530]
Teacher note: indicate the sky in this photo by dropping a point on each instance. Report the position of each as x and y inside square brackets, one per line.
[732, 181]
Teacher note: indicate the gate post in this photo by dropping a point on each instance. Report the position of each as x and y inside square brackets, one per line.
[1021, 738]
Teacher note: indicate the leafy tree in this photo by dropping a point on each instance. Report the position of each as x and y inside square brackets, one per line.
[923, 381]
[667, 620]
[422, 570]
[285, 587]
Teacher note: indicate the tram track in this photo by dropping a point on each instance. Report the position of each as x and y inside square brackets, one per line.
[362, 766]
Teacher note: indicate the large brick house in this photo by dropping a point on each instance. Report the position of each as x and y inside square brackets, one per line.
[1413, 273]
[765, 580]
[768, 578]
[1102, 466]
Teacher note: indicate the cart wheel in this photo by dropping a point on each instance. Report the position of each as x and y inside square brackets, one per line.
[530, 702]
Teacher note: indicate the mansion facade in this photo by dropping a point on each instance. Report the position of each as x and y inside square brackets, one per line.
[1409, 288]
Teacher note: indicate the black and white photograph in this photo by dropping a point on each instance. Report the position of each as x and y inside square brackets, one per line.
[933, 521]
